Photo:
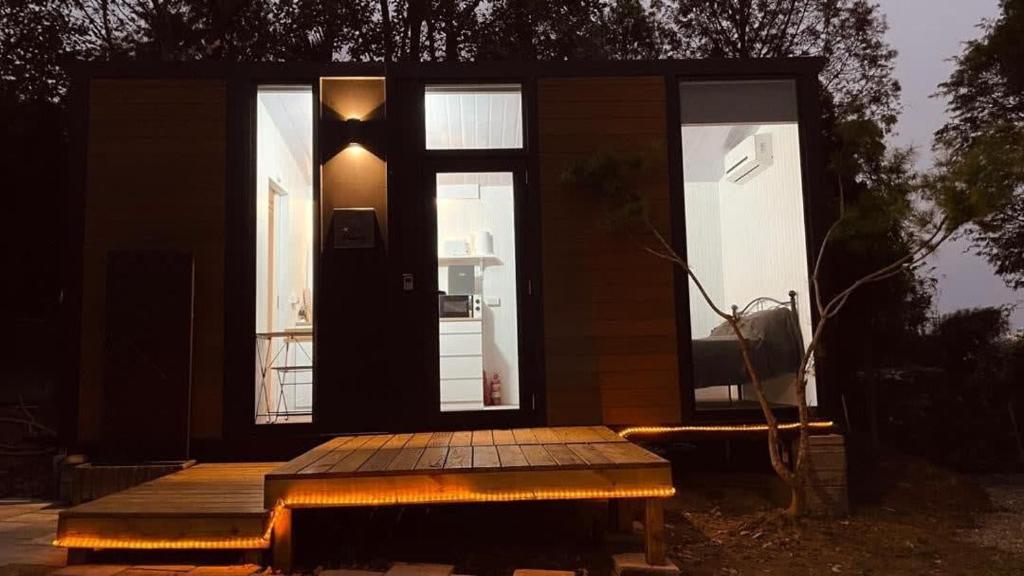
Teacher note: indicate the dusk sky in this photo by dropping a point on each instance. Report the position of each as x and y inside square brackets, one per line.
[927, 34]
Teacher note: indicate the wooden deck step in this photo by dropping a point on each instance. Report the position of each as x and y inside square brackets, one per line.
[205, 506]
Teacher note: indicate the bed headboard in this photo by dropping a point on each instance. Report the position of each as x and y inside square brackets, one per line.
[767, 303]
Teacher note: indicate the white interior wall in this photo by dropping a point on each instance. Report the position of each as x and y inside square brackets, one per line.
[280, 117]
[461, 219]
[704, 253]
[277, 163]
[764, 249]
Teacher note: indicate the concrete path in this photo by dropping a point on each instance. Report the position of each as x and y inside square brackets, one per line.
[27, 529]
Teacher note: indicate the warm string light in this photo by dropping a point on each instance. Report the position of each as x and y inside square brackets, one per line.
[391, 499]
[656, 430]
[334, 499]
[99, 542]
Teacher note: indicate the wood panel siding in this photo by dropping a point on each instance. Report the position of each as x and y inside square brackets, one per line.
[609, 307]
[156, 180]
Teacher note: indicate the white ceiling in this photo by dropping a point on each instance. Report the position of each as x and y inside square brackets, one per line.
[474, 119]
[704, 148]
[292, 112]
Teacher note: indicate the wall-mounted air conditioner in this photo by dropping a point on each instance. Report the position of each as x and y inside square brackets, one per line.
[749, 158]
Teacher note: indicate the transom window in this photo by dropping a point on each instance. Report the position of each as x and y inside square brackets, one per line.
[474, 117]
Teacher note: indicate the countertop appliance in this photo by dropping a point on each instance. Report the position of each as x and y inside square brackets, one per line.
[458, 306]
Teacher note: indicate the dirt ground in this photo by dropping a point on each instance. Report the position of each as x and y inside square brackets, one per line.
[924, 521]
[920, 520]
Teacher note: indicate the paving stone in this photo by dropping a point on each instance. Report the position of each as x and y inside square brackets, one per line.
[164, 567]
[235, 570]
[90, 570]
[344, 572]
[13, 508]
[22, 552]
[635, 564]
[24, 570]
[532, 572]
[403, 569]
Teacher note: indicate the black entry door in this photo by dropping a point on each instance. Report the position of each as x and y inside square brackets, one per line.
[467, 300]
[477, 333]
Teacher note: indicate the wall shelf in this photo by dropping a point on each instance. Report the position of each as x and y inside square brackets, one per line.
[475, 260]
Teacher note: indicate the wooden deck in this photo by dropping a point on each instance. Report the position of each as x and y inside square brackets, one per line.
[204, 506]
[249, 506]
[471, 466]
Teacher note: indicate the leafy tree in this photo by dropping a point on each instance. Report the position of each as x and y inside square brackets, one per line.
[849, 34]
[633, 30]
[327, 31]
[981, 147]
[539, 30]
[931, 215]
[34, 40]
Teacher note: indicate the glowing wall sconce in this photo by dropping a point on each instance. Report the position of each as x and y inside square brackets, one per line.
[337, 134]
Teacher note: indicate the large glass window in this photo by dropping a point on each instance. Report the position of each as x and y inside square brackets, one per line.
[464, 117]
[745, 238]
[476, 280]
[285, 216]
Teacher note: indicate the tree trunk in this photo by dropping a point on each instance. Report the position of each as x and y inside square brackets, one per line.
[385, 20]
[797, 500]
[451, 33]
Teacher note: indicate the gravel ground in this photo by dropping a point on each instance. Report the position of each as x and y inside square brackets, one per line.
[1003, 527]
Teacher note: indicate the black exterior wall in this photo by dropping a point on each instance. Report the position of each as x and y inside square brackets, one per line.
[408, 165]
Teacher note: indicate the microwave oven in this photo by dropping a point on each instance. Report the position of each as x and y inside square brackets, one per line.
[458, 306]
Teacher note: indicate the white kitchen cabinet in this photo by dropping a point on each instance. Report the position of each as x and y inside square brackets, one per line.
[462, 364]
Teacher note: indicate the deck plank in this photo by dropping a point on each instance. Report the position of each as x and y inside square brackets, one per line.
[336, 455]
[511, 456]
[406, 459]
[419, 440]
[397, 441]
[524, 436]
[485, 457]
[315, 454]
[591, 455]
[483, 438]
[536, 455]
[433, 458]
[440, 439]
[360, 455]
[503, 437]
[625, 453]
[546, 436]
[459, 457]
[563, 455]
[606, 434]
[464, 438]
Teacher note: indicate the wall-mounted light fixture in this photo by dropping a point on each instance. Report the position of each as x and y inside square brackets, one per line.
[337, 134]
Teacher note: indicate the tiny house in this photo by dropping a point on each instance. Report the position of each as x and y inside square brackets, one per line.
[271, 253]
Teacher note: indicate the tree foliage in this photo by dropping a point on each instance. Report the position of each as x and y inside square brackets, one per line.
[848, 34]
[981, 147]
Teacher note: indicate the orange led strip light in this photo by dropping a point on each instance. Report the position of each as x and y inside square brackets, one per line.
[99, 542]
[392, 499]
[657, 430]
